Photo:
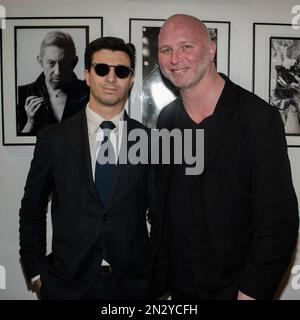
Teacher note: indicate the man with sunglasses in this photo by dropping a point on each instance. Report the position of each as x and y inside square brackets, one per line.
[100, 245]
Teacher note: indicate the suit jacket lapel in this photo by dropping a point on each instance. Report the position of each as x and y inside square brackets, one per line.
[77, 135]
[220, 126]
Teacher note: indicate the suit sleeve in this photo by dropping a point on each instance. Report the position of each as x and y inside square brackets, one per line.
[275, 211]
[32, 213]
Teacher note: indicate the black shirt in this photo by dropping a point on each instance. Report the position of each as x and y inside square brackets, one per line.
[178, 214]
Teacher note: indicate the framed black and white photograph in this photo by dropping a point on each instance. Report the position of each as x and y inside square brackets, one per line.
[276, 73]
[151, 91]
[42, 63]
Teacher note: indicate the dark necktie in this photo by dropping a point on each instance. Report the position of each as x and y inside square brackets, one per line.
[105, 164]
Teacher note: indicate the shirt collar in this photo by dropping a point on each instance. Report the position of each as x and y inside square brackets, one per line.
[94, 119]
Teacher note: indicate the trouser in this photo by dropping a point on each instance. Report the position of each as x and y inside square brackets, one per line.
[105, 287]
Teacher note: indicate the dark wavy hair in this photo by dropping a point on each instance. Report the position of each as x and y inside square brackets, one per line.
[109, 43]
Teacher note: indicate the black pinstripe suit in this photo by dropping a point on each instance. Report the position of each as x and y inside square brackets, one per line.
[62, 165]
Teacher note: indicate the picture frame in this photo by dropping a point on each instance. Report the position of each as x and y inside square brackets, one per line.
[20, 46]
[151, 91]
[276, 71]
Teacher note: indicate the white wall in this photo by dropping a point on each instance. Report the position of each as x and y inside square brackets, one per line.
[15, 160]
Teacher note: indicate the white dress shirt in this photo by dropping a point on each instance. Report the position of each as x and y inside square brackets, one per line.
[96, 134]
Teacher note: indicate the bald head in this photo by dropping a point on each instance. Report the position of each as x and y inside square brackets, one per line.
[179, 22]
[185, 51]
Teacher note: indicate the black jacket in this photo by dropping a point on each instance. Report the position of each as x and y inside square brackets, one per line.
[244, 208]
[81, 225]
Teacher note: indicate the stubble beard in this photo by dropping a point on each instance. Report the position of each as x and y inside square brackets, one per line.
[109, 101]
[202, 69]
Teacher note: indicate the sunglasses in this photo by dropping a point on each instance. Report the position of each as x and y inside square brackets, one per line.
[102, 69]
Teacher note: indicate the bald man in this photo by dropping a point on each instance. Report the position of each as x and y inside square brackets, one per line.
[230, 232]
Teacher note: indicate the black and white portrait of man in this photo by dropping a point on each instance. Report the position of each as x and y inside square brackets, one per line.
[49, 76]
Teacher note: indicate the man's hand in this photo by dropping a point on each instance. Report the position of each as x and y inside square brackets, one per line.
[242, 296]
[36, 286]
[32, 105]
[164, 296]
